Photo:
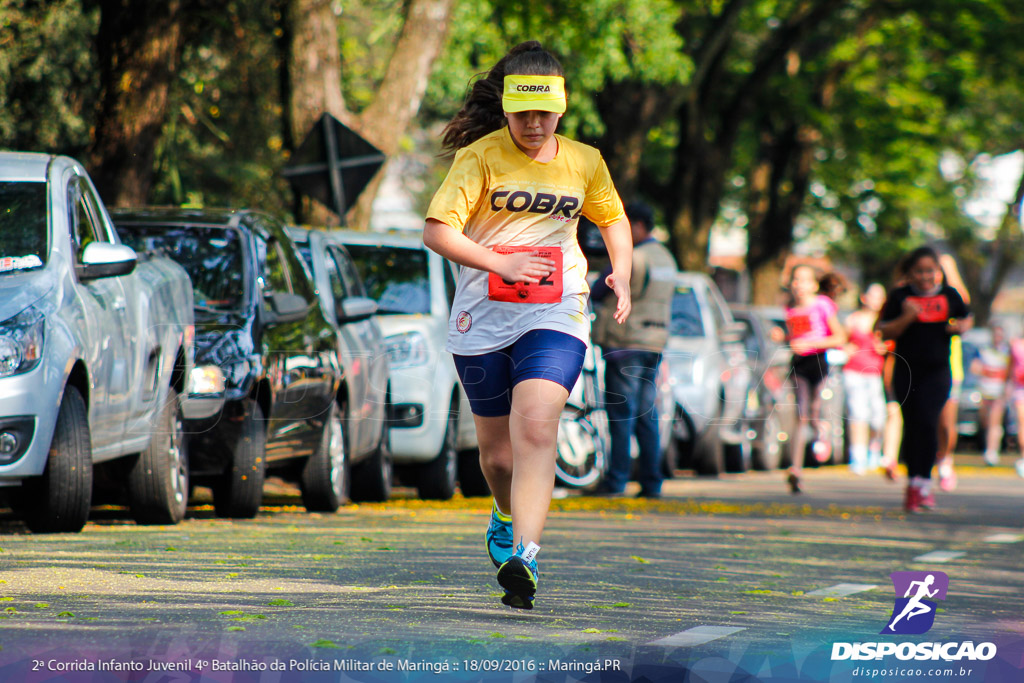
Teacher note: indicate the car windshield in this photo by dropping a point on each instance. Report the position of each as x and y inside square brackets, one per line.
[211, 255]
[686, 319]
[22, 226]
[396, 277]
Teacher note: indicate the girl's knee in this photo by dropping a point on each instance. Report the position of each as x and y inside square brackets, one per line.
[496, 461]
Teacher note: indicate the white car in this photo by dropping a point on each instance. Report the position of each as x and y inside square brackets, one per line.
[433, 439]
[708, 376]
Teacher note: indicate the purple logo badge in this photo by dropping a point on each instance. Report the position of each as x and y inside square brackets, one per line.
[914, 609]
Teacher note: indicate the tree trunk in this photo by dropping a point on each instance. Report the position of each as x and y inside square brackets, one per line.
[1007, 251]
[710, 120]
[766, 282]
[314, 84]
[697, 183]
[778, 186]
[628, 110]
[398, 99]
[139, 47]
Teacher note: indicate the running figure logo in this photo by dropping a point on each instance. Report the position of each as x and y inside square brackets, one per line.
[914, 613]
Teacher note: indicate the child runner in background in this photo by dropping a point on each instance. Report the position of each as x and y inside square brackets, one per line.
[992, 367]
[507, 213]
[948, 420]
[1015, 394]
[948, 432]
[893, 432]
[862, 379]
[812, 328]
[921, 316]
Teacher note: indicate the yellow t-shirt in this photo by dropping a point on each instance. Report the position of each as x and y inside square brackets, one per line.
[497, 195]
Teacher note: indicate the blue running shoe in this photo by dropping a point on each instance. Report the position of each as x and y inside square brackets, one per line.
[518, 576]
[499, 537]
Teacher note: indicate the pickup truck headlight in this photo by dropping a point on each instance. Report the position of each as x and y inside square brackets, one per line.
[407, 350]
[686, 370]
[207, 379]
[21, 342]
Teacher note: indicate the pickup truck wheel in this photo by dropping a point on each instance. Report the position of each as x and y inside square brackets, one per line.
[158, 482]
[239, 491]
[709, 452]
[59, 500]
[738, 456]
[373, 477]
[767, 453]
[437, 478]
[324, 481]
[680, 446]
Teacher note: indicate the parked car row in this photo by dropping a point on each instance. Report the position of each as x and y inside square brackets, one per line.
[96, 351]
[155, 350]
[209, 347]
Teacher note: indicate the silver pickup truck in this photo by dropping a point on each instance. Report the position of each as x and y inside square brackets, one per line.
[95, 354]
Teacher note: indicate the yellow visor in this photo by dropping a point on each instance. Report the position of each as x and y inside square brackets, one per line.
[534, 93]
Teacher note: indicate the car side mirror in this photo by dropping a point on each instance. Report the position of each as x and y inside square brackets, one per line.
[287, 307]
[103, 259]
[356, 308]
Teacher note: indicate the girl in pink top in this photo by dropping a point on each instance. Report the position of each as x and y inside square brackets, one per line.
[812, 327]
[862, 380]
[1015, 391]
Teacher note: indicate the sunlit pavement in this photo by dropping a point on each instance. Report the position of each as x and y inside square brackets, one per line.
[733, 567]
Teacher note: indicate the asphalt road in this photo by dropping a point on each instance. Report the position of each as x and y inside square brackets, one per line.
[721, 578]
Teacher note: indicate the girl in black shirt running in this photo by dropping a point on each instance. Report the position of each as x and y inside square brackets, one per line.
[922, 316]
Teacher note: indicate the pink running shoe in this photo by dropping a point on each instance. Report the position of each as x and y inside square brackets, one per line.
[947, 475]
[822, 451]
[912, 500]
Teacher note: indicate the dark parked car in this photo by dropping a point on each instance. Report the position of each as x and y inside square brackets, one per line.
[769, 411]
[266, 357]
[365, 387]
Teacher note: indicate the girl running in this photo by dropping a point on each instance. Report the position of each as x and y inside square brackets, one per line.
[992, 367]
[862, 379]
[948, 434]
[921, 316]
[812, 328]
[1015, 394]
[507, 213]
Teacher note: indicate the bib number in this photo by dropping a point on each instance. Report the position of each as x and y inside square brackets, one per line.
[799, 325]
[547, 291]
[934, 309]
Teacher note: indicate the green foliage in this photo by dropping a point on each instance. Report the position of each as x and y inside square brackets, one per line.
[920, 83]
[48, 82]
[927, 91]
[597, 41]
[367, 33]
[223, 144]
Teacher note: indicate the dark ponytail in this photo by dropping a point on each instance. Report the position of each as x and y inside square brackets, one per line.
[482, 113]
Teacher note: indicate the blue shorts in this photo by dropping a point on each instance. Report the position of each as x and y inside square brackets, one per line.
[539, 354]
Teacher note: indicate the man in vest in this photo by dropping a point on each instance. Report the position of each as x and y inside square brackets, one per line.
[632, 352]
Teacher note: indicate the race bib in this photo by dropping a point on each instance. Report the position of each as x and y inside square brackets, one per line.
[799, 325]
[934, 309]
[547, 291]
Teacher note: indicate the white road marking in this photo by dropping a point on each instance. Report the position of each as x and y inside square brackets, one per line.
[1004, 538]
[698, 635]
[939, 556]
[841, 590]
